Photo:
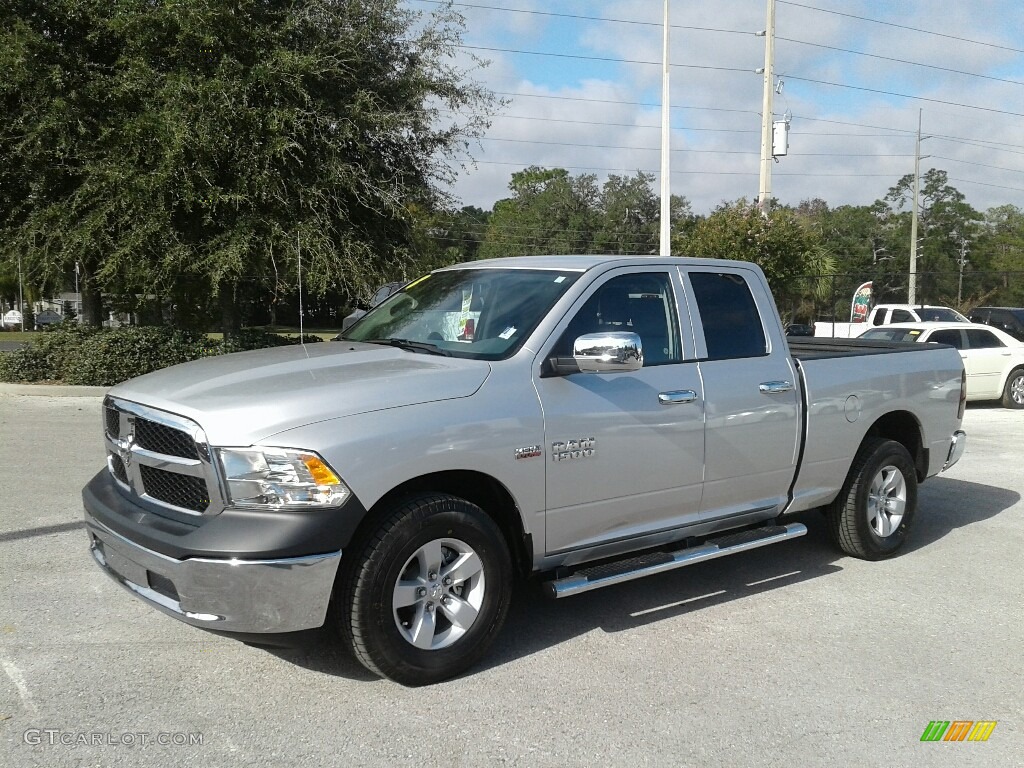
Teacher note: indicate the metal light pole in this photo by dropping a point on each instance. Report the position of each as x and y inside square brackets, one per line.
[21, 301]
[666, 180]
[765, 185]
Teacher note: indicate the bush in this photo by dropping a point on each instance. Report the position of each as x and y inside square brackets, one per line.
[76, 354]
[254, 338]
[107, 358]
[43, 357]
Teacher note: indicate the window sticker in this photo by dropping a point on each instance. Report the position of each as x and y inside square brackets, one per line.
[507, 333]
[560, 279]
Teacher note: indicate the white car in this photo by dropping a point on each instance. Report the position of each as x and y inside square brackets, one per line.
[993, 359]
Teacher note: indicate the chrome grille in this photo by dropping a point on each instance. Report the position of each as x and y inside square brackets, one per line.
[174, 489]
[112, 421]
[117, 468]
[163, 459]
[160, 438]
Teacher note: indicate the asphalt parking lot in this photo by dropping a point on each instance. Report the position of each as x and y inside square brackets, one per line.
[787, 656]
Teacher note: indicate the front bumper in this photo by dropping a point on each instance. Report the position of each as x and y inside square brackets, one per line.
[957, 446]
[233, 595]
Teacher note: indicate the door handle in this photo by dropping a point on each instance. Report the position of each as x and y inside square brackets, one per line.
[774, 387]
[676, 397]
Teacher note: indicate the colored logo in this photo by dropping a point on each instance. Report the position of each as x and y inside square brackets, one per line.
[959, 730]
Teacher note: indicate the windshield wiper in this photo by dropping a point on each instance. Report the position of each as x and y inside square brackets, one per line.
[412, 346]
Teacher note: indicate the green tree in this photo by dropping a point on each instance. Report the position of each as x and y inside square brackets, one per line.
[550, 211]
[199, 149]
[946, 221]
[791, 255]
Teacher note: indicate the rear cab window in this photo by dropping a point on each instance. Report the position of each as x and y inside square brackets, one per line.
[729, 316]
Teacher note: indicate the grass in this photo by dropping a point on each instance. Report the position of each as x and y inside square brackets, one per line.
[18, 335]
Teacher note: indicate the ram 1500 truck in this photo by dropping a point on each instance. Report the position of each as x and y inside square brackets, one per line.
[586, 419]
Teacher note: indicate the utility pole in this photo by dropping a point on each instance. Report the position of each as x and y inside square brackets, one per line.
[765, 186]
[666, 177]
[912, 289]
[961, 262]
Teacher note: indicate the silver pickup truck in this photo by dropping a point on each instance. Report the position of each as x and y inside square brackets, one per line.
[584, 419]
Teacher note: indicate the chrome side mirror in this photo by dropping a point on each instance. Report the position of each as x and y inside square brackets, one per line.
[613, 352]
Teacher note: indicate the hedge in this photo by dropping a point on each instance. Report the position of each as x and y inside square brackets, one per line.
[74, 354]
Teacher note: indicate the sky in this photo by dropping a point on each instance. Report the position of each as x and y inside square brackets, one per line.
[583, 84]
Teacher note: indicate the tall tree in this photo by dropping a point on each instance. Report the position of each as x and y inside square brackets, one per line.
[789, 253]
[203, 147]
[550, 211]
[946, 223]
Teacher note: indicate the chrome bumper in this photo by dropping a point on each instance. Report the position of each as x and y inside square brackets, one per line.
[957, 446]
[234, 595]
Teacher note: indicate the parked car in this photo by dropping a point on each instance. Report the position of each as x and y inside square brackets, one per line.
[888, 314]
[382, 293]
[1009, 319]
[604, 419]
[799, 329]
[993, 359]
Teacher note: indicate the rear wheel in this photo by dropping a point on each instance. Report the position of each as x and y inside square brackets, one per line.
[1013, 391]
[872, 515]
[429, 592]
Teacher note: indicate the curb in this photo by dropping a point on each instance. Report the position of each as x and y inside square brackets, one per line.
[52, 390]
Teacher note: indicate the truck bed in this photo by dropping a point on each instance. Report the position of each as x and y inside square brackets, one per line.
[820, 348]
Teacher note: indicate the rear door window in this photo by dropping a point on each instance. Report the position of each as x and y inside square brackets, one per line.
[728, 313]
[902, 316]
[951, 337]
[979, 339]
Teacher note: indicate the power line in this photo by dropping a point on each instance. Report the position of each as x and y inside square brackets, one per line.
[984, 184]
[580, 17]
[687, 151]
[979, 165]
[902, 61]
[623, 103]
[902, 95]
[903, 26]
[611, 59]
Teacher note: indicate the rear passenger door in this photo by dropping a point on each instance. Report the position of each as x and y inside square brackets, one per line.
[986, 357]
[752, 406]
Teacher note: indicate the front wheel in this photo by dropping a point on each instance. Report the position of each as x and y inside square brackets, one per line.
[872, 515]
[429, 592]
[1013, 391]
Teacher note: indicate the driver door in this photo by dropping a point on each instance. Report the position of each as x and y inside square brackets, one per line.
[625, 450]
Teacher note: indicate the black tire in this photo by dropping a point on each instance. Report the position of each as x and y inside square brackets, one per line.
[1013, 391]
[864, 524]
[382, 635]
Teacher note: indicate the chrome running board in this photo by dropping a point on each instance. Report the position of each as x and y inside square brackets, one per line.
[597, 576]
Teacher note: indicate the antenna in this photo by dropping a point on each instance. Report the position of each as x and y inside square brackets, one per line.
[298, 250]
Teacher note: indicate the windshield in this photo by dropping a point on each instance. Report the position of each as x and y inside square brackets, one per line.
[941, 315]
[892, 334]
[484, 314]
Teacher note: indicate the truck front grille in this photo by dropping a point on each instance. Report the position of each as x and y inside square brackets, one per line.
[161, 457]
[161, 438]
[112, 421]
[174, 489]
[117, 468]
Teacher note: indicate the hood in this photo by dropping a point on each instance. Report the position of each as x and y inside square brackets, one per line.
[246, 397]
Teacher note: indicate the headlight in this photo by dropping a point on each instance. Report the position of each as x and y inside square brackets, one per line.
[280, 478]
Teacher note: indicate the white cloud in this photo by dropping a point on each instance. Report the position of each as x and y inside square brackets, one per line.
[720, 162]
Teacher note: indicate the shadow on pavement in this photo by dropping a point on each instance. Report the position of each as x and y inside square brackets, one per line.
[536, 623]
